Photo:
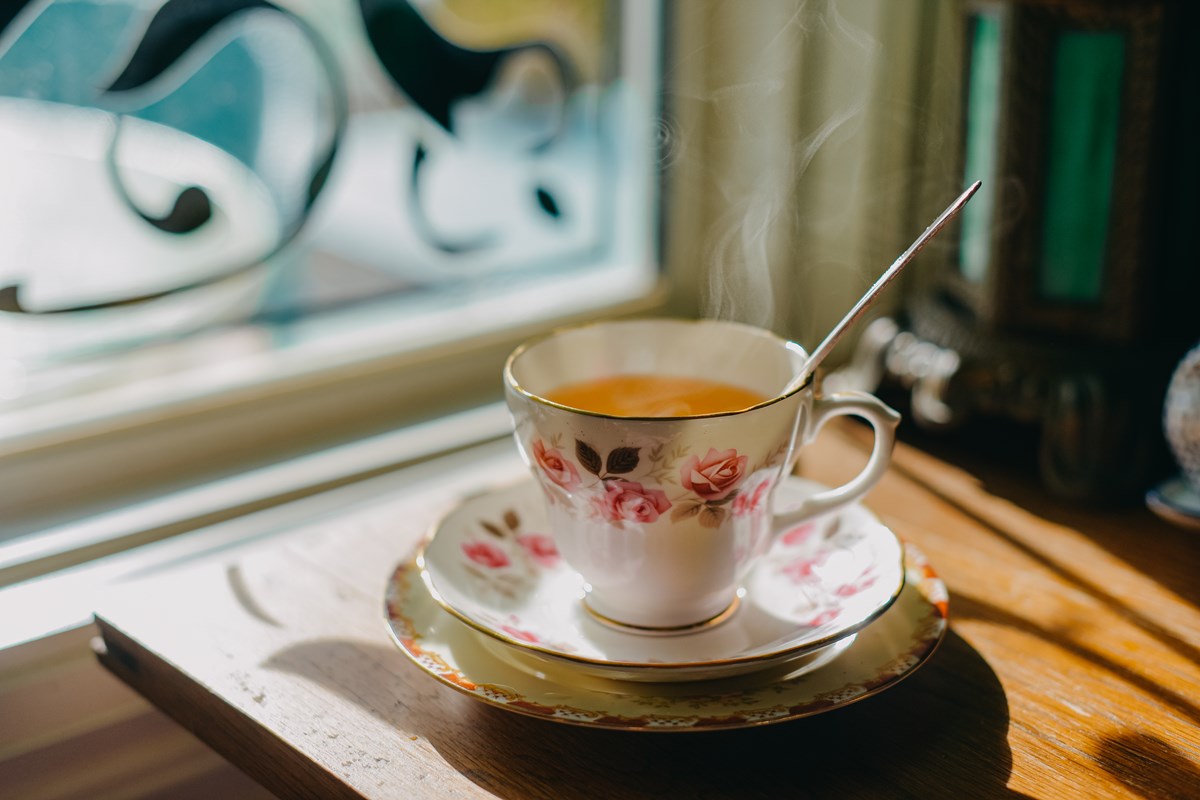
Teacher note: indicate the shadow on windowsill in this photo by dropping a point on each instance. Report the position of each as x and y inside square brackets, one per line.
[941, 733]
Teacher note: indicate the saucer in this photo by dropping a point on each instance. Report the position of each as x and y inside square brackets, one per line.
[793, 667]
[492, 564]
[1175, 501]
[879, 656]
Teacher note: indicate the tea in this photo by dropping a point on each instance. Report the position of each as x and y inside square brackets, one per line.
[654, 396]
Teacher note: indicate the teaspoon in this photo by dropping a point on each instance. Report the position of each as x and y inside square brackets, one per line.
[823, 349]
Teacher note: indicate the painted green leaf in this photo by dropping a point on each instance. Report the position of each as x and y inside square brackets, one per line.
[588, 457]
[622, 460]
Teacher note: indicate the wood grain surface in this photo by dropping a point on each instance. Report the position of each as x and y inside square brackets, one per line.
[1072, 667]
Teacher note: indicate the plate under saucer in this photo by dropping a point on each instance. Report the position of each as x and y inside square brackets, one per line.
[492, 564]
[1176, 501]
[877, 658]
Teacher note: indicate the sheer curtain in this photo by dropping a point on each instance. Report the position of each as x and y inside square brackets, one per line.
[812, 141]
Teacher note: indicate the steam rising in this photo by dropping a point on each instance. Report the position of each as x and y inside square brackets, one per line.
[782, 89]
[741, 271]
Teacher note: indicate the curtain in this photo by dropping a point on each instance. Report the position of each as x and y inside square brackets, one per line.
[807, 143]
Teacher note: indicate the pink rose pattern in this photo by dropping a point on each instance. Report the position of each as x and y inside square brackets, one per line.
[509, 554]
[714, 485]
[540, 548]
[627, 501]
[803, 569]
[799, 534]
[509, 557]
[750, 501]
[486, 554]
[863, 583]
[715, 476]
[822, 618]
[806, 571]
[554, 466]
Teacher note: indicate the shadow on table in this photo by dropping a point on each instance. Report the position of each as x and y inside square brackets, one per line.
[1126, 755]
[1003, 458]
[940, 733]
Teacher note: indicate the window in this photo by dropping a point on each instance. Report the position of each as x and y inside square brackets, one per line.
[237, 233]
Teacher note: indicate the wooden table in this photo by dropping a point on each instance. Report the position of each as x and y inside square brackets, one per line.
[1071, 669]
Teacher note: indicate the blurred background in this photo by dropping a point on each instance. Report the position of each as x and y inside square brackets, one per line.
[237, 234]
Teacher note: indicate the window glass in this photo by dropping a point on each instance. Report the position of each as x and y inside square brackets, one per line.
[190, 186]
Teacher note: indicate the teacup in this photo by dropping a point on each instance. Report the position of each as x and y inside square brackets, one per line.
[664, 516]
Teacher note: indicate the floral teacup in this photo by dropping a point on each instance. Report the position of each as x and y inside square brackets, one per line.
[664, 516]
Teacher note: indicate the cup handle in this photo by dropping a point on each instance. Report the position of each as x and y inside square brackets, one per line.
[883, 420]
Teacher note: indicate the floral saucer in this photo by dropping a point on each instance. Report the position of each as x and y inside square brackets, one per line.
[877, 658]
[491, 564]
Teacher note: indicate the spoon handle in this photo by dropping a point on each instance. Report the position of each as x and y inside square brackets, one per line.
[823, 349]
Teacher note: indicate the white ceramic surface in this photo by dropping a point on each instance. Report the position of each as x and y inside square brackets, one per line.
[492, 563]
[792, 666]
[881, 654]
[665, 516]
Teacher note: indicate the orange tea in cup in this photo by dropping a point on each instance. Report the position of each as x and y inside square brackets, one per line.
[654, 396]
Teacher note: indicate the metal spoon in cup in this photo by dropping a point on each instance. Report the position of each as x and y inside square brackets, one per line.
[823, 349]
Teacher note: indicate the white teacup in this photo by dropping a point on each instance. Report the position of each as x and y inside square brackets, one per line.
[664, 516]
